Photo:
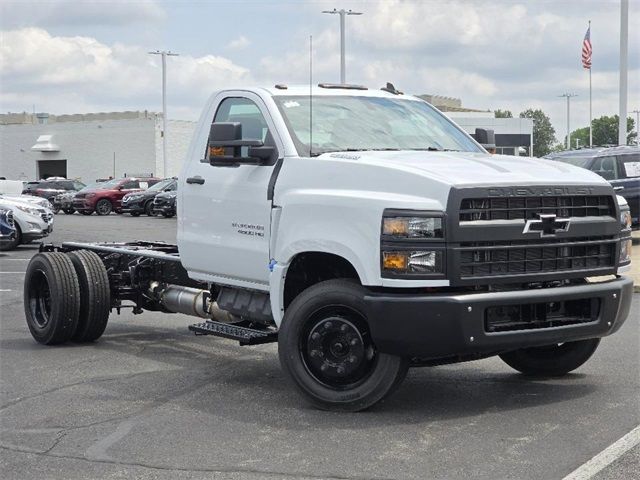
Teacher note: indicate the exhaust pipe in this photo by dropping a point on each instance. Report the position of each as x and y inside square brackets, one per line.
[190, 301]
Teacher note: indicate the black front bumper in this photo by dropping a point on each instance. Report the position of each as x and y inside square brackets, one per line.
[441, 326]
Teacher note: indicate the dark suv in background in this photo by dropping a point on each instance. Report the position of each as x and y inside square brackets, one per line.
[619, 165]
[136, 203]
[50, 188]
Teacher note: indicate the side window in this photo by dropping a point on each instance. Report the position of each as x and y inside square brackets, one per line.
[246, 112]
[606, 167]
[631, 165]
[130, 184]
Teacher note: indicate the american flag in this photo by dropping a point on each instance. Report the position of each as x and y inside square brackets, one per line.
[586, 49]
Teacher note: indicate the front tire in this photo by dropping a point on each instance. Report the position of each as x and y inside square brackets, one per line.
[17, 240]
[148, 209]
[104, 207]
[51, 298]
[326, 349]
[68, 211]
[551, 360]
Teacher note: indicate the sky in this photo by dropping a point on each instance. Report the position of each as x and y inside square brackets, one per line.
[72, 56]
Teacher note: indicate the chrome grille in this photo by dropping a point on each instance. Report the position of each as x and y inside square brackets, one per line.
[526, 208]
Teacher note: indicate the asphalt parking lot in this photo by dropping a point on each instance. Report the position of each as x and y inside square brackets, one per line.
[150, 400]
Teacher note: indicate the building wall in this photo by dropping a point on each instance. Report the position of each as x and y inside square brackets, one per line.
[89, 142]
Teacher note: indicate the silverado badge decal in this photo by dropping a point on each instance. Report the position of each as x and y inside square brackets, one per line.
[547, 225]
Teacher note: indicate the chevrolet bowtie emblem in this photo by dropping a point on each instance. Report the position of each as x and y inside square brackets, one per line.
[547, 225]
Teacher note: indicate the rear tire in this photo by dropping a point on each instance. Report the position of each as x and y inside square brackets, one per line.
[51, 298]
[552, 360]
[69, 211]
[95, 296]
[167, 215]
[325, 348]
[104, 207]
[134, 214]
[86, 212]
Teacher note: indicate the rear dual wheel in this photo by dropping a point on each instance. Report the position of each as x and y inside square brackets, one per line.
[326, 349]
[66, 297]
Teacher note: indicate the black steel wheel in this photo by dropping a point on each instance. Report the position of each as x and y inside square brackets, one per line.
[95, 295]
[551, 360]
[104, 207]
[51, 298]
[326, 349]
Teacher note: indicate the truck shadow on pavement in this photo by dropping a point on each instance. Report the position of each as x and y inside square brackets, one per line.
[216, 377]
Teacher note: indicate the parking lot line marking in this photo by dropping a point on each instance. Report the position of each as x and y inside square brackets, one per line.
[606, 457]
[14, 259]
[14, 272]
[5, 290]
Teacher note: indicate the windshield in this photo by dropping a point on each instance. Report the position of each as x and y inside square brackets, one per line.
[108, 185]
[160, 185]
[355, 123]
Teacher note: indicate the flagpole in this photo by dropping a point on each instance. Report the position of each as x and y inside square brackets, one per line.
[590, 103]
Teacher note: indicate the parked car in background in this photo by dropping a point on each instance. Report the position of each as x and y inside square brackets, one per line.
[64, 202]
[7, 229]
[165, 203]
[106, 197]
[50, 188]
[32, 221]
[136, 203]
[29, 187]
[618, 165]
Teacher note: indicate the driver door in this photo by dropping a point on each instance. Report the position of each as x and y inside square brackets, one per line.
[226, 213]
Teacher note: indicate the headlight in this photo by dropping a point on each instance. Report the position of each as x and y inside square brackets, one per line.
[29, 210]
[419, 262]
[625, 219]
[625, 250]
[412, 227]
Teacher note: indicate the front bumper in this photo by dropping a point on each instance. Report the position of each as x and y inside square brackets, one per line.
[135, 206]
[84, 205]
[449, 325]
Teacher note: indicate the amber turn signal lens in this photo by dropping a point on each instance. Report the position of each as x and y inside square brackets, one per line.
[394, 261]
[216, 151]
[395, 226]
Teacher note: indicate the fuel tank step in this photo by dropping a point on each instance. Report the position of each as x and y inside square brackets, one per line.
[244, 335]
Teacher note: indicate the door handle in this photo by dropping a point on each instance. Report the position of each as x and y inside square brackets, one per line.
[617, 189]
[198, 180]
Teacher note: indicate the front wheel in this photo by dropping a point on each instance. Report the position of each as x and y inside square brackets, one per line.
[68, 211]
[326, 349]
[148, 209]
[17, 240]
[551, 360]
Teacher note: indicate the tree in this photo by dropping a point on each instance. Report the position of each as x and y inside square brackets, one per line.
[502, 113]
[544, 135]
[605, 132]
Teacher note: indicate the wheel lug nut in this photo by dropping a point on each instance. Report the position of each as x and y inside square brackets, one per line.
[315, 336]
[340, 370]
[324, 367]
[352, 359]
[315, 353]
[344, 328]
[328, 325]
[354, 341]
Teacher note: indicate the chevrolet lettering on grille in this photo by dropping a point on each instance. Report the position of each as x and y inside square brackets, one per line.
[547, 225]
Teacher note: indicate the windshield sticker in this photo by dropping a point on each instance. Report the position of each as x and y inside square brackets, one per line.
[632, 169]
[290, 103]
[144, 185]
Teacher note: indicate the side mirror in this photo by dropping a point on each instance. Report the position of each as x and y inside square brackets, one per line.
[226, 142]
[486, 138]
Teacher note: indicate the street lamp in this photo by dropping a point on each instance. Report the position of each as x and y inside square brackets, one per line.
[164, 54]
[342, 12]
[637, 112]
[568, 96]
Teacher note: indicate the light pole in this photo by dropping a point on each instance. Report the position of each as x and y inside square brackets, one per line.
[637, 112]
[568, 96]
[164, 54]
[342, 12]
[624, 60]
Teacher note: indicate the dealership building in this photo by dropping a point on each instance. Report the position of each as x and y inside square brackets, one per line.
[95, 146]
[90, 146]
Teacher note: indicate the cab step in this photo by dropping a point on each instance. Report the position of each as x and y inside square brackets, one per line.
[244, 335]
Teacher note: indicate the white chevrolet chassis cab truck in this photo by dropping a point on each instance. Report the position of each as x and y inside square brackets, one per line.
[365, 233]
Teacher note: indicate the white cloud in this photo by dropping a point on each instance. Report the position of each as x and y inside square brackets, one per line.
[79, 74]
[239, 43]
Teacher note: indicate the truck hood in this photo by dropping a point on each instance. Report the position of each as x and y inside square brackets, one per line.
[475, 169]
